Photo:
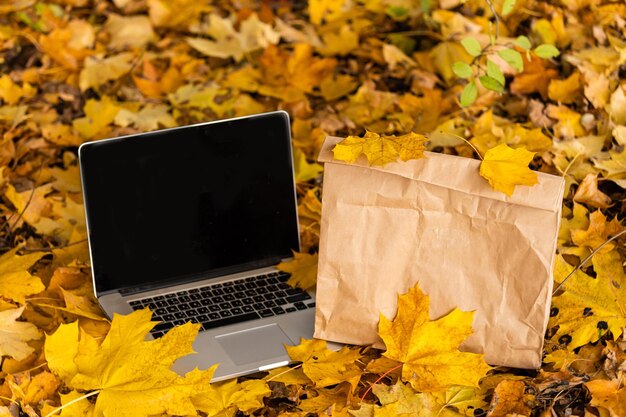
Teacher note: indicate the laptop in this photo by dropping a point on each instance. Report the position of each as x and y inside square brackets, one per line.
[191, 222]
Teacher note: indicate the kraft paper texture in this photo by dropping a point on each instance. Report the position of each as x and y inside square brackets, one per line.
[436, 221]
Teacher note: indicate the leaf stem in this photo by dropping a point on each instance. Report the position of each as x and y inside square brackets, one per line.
[284, 372]
[75, 400]
[586, 260]
[380, 378]
[495, 15]
[466, 141]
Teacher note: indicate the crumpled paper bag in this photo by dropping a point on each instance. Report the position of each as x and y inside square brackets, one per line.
[437, 222]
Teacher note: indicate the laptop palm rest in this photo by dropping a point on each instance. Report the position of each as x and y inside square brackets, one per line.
[267, 341]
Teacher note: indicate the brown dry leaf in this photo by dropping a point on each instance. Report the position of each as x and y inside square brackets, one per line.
[588, 193]
[597, 232]
[535, 77]
[610, 395]
[509, 398]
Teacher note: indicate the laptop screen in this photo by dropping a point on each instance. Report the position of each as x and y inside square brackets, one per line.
[191, 202]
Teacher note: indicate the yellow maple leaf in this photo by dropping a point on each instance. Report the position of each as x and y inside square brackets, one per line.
[226, 398]
[98, 115]
[589, 307]
[304, 170]
[15, 281]
[610, 395]
[381, 149]
[328, 10]
[505, 167]
[408, 402]
[429, 349]
[567, 90]
[100, 71]
[324, 366]
[598, 232]
[303, 270]
[132, 376]
[14, 334]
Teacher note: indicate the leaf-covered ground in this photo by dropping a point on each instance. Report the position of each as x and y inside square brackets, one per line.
[547, 76]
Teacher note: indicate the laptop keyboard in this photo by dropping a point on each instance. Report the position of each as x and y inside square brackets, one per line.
[225, 303]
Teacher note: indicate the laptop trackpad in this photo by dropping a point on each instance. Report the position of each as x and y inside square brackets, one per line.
[255, 344]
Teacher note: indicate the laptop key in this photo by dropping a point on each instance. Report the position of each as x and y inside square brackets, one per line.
[284, 286]
[270, 304]
[178, 322]
[266, 313]
[261, 290]
[236, 303]
[183, 306]
[250, 285]
[229, 297]
[299, 297]
[272, 288]
[272, 280]
[247, 301]
[169, 317]
[239, 295]
[229, 320]
[290, 309]
[196, 296]
[214, 316]
[236, 311]
[134, 303]
[195, 304]
[240, 287]
[217, 300]
[225, 306]
[162, 327]
[170, 295]
[247, 309]
[203, 310]
[259, 306]
[311, 305]
[280, 301]
[300, 306]
[214, 308]
[278, 310]
[250, 293]
[171, 309]
[138, 307]
[184, 298]
[172, 301]
[180, 315]
[156, 335]
[258, 298]
[239, 281]
[191, 313]
[229, 290]
[203, 317]
[228, 284]
[206, 302]
[152, 306]
[280, 294]
[218, 291]
[161, 303]
[293, 291]
[179, 293]
[160, 311]
[270, 296]
[194, 290]
[158, 297]
[261, 283]
[225, 313]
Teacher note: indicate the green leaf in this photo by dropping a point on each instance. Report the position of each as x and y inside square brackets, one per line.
[397, 12]
[468, 96]
[494, 71]
[546, 51]
[425, 5]
[461, 69]
[513, 58]
[472, 46]
[491, 83]
[508, 7]
[523, 42]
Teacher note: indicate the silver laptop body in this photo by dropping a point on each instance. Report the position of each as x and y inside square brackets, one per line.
[199, 215]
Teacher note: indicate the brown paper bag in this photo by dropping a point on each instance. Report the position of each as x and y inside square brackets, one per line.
[437, 222]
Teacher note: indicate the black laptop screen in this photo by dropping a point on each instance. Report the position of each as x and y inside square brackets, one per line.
[191, 202]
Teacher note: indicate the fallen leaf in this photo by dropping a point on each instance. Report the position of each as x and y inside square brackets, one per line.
[405, 401]
[509, 398]
[15, 280]
[565, 91]
[304, 170]
[326, 367]
[597, 233]
[129, 31]
[429, 349]
[100, 71]
[588, 193]
[505, 168]
[227, 398]
[381, 149]
[589, 307]
[303, 270]
[610, 395]
[133, 376]
[14, 334]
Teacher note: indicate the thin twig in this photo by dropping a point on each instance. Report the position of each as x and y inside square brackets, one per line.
[284, 372]
[78, 242]
[586, 260]
[380, 378]
[495, 15]
[466, 141]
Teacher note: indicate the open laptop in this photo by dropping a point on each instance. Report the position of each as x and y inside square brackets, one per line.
[191, 222]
